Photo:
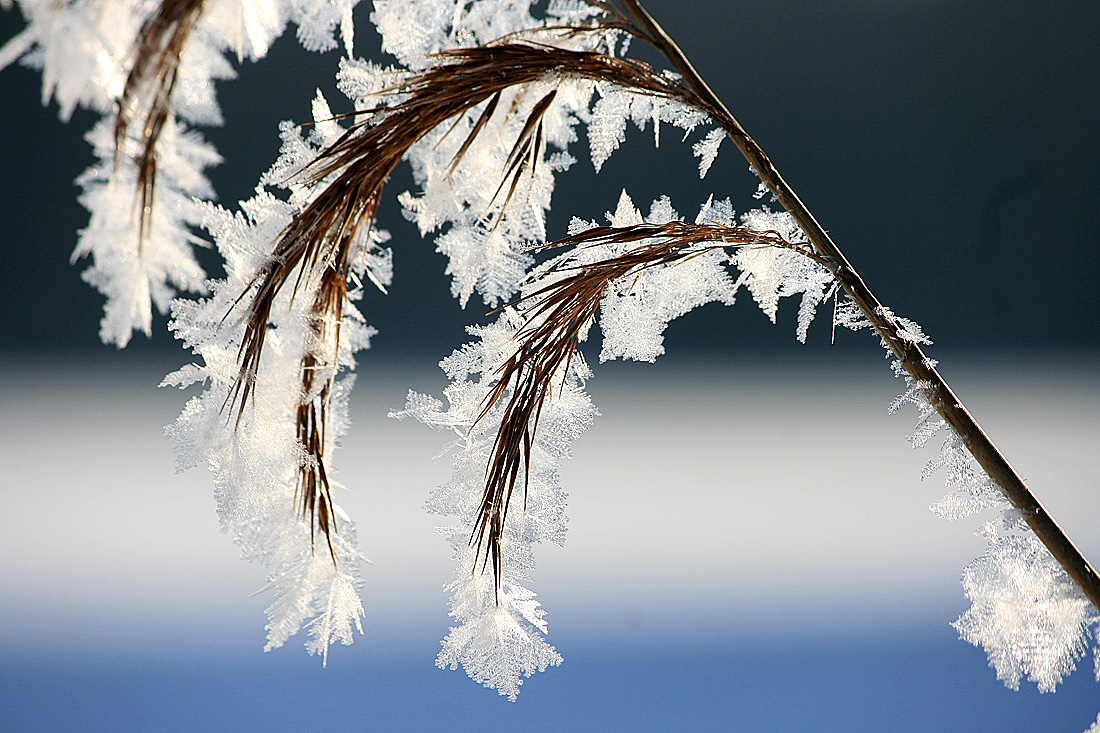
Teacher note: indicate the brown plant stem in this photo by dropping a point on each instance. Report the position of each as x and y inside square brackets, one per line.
[906, 351]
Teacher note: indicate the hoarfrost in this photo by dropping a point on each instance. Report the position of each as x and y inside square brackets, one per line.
[499, 639]
[484, 233]
[615, 105]
[255, 459]
[81, 49]
[771, 273]
[1026, 613]
[636, 311]
[139, 270]
[140, 245]
[706, 150]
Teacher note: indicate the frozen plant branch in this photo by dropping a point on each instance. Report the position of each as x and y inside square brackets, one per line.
[324, 238]
[147, 95]
[909, 353]
[351, 173]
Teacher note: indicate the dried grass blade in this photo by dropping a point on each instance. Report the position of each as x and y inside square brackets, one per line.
[483, 120]
[556, 315]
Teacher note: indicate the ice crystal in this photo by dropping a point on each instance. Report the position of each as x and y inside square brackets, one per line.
[81, 49]
[136, 270]
[413, 30]
[771, 273]
[706, 150]
[140, 244]
[615, 105]
[635, 312]
[1026, 613]
[846, 314]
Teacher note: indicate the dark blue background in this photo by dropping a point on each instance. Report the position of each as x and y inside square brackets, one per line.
[949, 147]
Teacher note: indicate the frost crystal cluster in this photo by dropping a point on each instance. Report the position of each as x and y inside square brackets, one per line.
[141, 200]
[1025, 612]
[255, 451]
[499, 638]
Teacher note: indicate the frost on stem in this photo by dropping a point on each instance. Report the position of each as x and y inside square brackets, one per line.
[150, 68]
[303, 335]
[485, 104]
[658, 268]
[141, 267]
[1026, 613]
[516, 403]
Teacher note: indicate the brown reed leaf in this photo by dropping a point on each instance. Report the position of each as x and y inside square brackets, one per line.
[525, 151]
[314, 492]
[557, 315]
[147, 94]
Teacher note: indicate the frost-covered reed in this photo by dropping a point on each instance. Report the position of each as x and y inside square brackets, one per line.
[487, 104]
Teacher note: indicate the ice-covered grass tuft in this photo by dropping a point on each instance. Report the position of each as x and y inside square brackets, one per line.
[499, 636]
[117, 58]
[253, 446]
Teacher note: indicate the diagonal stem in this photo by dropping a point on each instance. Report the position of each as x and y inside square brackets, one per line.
[908, 353]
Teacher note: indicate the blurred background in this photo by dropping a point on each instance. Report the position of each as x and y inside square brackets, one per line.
[749, 546]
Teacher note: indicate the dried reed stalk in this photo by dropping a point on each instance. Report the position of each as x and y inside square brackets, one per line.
[918, 366]
[147, 94]
[558, 315]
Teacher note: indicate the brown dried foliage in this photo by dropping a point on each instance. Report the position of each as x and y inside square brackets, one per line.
[323, 238]
[148, 92]
[557, 316]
